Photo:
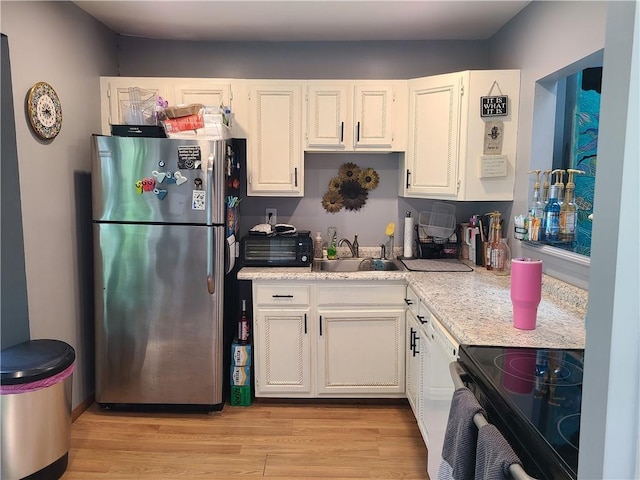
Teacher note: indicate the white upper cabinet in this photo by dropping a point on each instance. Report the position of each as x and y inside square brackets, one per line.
[199, 90]
[275, 159]
[432, 150]
[353, 116]
[453, 151]
[114, 96]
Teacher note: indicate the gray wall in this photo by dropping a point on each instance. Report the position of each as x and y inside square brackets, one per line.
[318, 60]
[58, 43]
[531, 42]
[609, 446]
[544, 37]
[304, 60]
[15, 308]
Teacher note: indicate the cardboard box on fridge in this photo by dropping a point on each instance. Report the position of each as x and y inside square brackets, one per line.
[240, 354]
[240, 395]
[240, 375]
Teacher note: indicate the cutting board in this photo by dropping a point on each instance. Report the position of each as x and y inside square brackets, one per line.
[436, 265]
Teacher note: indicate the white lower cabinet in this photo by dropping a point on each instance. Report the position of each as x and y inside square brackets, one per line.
[413, 368]
[329, 339]
[361, 352]
[284, 352]
[417, 344]
[430, 349]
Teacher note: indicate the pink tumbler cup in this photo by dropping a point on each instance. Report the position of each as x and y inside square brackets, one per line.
[526, 290]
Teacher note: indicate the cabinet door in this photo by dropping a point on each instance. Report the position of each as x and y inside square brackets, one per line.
[373, 113]
[114, 93]
[202, 91]
[413, 364]
[361, 352]
[327, 117]
[283, 355]
[431, 162]
[275, 157]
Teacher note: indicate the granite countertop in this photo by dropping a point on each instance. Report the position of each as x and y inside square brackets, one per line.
[475, 307]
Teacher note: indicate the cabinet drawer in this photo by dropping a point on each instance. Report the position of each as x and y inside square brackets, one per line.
[361, 294]
[289, 295]
[413, 302]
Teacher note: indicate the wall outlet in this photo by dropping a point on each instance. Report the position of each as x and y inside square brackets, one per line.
[271, 216]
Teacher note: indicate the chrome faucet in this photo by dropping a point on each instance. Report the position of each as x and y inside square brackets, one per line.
[354, 251]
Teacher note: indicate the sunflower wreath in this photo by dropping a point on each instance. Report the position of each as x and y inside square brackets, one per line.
[350, 189]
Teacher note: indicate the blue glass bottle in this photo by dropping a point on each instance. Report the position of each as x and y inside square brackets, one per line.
[552, 216]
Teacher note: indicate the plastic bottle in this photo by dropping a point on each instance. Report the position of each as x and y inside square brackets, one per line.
[569, 210]
[243, 324]
[317, 246]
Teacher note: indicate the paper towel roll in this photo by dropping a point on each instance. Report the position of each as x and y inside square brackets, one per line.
[408, 236]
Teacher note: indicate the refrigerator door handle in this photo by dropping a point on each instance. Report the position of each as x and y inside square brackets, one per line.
[209, 189]
[211, 287]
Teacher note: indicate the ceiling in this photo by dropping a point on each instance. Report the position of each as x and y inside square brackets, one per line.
[305, 20]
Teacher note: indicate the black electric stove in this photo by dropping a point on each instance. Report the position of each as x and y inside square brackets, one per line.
[533, 397]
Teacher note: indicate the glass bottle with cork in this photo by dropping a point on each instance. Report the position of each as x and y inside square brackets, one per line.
[243, 325]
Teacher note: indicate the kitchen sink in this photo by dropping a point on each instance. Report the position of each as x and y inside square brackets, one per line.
[357, 265]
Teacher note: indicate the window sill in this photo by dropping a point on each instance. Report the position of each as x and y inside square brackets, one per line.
[561, 264]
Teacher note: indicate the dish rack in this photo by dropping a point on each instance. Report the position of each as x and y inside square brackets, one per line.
[437, 225]
[433, 230]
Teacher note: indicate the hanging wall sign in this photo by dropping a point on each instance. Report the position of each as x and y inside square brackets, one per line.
[493, 133]
[494, 105]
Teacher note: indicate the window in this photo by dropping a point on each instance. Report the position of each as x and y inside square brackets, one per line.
[564, 135]
[576, 143]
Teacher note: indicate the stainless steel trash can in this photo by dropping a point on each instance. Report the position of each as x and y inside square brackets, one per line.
[35, 398]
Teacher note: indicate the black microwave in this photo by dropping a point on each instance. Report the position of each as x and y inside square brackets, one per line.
[276, 251]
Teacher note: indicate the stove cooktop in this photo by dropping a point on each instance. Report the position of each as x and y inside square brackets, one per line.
[534, 394]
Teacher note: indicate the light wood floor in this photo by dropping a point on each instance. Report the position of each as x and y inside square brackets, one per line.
[275, 440]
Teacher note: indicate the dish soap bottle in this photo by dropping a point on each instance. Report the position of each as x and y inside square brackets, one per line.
[332, 242]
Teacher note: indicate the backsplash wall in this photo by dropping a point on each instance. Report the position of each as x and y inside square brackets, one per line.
[383, 204]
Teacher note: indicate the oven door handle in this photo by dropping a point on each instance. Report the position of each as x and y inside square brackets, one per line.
[457, 372]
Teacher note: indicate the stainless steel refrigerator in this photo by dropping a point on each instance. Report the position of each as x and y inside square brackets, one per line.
[160, 243]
